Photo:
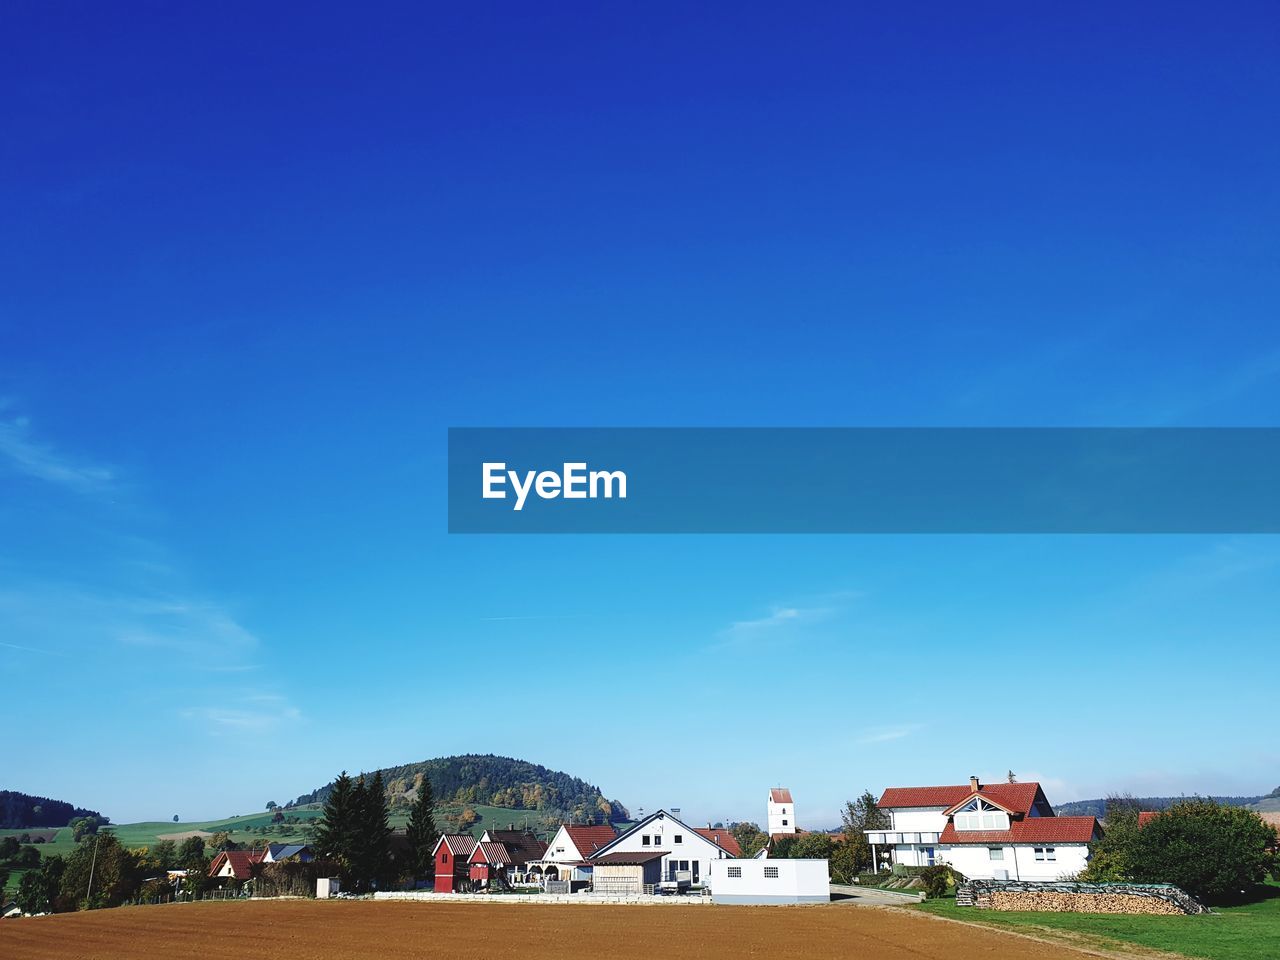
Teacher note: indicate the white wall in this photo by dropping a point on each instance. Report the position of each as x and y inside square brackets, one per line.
[778, 812]
[1020, 862]
[662, 832]
[928, 819]
[798, 881]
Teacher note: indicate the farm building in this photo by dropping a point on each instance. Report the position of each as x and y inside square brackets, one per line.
[452, 855]
[999, 831]
[687, 854]
[626, 874]
[770, 881]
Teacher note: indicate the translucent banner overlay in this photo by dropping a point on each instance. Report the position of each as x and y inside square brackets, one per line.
[864, 480]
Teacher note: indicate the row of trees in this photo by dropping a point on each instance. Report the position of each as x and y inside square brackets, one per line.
[1216, 853]
[355, 833]
[102, 872]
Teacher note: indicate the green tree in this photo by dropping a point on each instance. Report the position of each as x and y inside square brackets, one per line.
[371, 855]
[8, 848]
[192, 848]
[100, 873]
[38, 889]
[1214, 852]
[221, 841]
[271, 804]
[336, 830]
[165, 854]
[1111, 859]
[750, 837]
[857, 817]
[422, 832]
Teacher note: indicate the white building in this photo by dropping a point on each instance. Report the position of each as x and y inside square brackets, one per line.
[568, 851]
[782, 812]
[999, 831]
[770, 881]
[687, 853]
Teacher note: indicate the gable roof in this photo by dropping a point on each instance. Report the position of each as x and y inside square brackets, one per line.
[1018, 798]
[589, 839]
[283, 851]
[459, 844]
[780, 795]
[242, 862]
[721, 838]
[663, 814]
[1028, 830]
[492, 852]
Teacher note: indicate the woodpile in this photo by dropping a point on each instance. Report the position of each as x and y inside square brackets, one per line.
[1081, 903]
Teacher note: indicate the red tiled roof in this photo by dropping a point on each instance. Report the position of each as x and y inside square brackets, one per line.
[1146, 816]
[589, 839]
[722, 838]
[1017, 797]
[780, 795]
[1028, 830]
[241, 861]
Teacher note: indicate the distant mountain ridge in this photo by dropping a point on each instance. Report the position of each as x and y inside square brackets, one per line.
[1098, 807]
[495, 781]
[18, 810]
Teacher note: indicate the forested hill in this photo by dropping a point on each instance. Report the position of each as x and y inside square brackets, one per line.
[19, 810]
[497, 782]
[1098, 808]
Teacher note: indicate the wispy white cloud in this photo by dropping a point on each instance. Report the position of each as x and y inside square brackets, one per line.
[32, 457]
[246, 712]
[886, 734]
[779, 617]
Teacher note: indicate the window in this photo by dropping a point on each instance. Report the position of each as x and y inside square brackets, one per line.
[734, 871]
[771, 873]
[930, 858]
[1046, 853]
[678, 838]
[644, 840]
[996, 853]
[784, 823]
[444, 856]
[559, 849]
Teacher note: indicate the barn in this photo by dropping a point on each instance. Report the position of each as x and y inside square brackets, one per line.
[626, 874]
[452, 853]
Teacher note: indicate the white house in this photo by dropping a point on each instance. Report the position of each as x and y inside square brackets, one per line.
[568, 851]
[770, 881]
[782, 812]
[998, 831]
[687, 853]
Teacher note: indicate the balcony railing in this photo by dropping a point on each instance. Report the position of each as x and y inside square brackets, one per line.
[890, 838]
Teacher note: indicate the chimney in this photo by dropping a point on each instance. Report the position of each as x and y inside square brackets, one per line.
[974, 785]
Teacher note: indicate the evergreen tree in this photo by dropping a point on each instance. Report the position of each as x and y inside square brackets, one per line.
[373, 846]
[337, 826]
[422, 832]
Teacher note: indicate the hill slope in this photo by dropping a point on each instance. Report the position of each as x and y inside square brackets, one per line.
[494, 781]
[23, 810]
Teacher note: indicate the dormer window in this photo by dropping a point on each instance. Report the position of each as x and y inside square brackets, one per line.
[977, 814]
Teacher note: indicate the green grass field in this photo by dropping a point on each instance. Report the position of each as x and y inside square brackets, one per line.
[1248, 932]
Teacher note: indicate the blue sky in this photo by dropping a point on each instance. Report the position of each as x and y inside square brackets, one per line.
[257, 263]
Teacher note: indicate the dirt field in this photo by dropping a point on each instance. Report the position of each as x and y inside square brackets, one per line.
[354, 930]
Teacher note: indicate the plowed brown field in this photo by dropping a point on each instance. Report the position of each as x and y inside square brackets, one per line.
[319, 930]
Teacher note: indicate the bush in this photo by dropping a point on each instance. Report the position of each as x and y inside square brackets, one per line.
[936, 880]
[1213, 852]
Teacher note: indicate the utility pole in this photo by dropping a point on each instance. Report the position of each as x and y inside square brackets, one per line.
[88, 897]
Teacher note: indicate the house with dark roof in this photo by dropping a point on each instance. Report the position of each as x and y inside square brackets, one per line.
[504, 857]
[997, 831]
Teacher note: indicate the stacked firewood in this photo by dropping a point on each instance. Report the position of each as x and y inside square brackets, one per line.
[1047, 901]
